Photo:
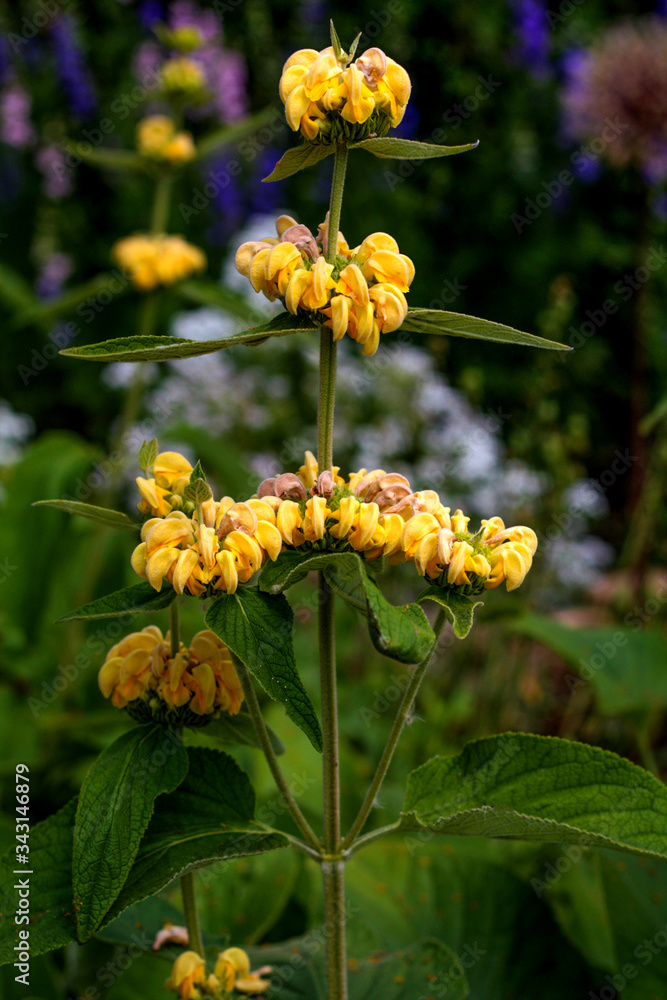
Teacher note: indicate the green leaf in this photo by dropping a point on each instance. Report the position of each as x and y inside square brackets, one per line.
[197, 473]
[198, 491]
[115, 805]
[210, 817]
[172, 348]
[47, 312]
[238, 730]
[402, 633]
[136, 600]
[229, 134]
[335, 40]
[124, 160]
[258, 630]
[112, 518]
[539, 788]
[460, 610]
[298, 158]
[624, 666]
[611, 909]
[405, 149]
[437, 321]
[411, 974]
[52, 922]
[147, 455]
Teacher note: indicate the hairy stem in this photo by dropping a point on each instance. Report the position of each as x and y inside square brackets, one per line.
[174, 628]
[191, 914]
[271, 759]
[402, 716]
[333, 865]
[325, 412]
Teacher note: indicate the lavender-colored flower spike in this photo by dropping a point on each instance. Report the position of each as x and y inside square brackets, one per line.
[71, 67]
[533, 34]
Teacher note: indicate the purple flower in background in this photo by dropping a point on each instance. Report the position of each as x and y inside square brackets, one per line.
[15, 126]
[224, 71]
[58, 180]
[5, 61]
[587, 168]
[71, 67]
[150, 13]
[615, 96]
[531, 27]
[661, 8]
[313, 13]
[185, 14]
[228, 201]
[265, 197]
[55, 271]
[407, 129]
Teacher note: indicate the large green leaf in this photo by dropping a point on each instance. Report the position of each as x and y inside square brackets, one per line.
[614, 910]
[115, 805]
[210, 817]
[258, 629]
[52, 922]
[171, 348]
[390, 148]
[539, 788]
[625, 666]
[298, 158]
[112, 518]
[418, 972]
[437, 321]
[461, 891]
[402, 633]
[139, 599]
[460, 610]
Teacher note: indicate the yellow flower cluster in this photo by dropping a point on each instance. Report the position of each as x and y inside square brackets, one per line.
[362, 293]
[329, 98]
[231, 975]
[141, 674]
[162, 492]
[378, 514]
[157, 260]
[158, 139]
[227, 547]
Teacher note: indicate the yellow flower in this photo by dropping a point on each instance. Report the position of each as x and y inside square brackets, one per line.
[157, 260]
[163, 491]
[157, 139]
[232, 969]
[363, 298]
[333, 100]
[201, 678]
[187, 974]
[182, 77]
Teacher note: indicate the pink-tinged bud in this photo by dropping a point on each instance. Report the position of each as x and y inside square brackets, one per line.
[267, 488]
[325, 485]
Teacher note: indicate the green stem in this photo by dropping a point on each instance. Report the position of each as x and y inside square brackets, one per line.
[333, 865]
[271, 759]
[161, 204]
[402, 716]
[191, 915]
[174, 628]
[325, 413]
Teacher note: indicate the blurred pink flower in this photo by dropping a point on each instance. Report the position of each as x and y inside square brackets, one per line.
[16, 129]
